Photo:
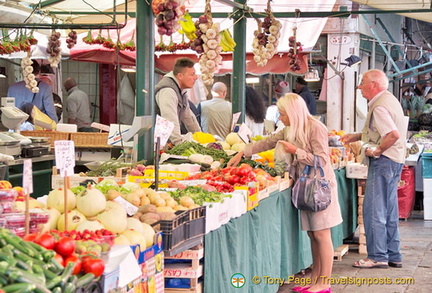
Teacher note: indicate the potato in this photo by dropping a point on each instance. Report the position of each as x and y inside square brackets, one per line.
[112, 194]
[186, 201]
[133, 198]
[159, 202]
[150, 221]
[146, 216]
[180, 208]
[144, 200]
[164, 209]
[171, 202]
[165, 195]
[148, 208]
[153, 197]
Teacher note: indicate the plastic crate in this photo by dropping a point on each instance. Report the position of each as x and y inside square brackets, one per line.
[174, 232]
[427, 165]
[197, 222]
[90, 139]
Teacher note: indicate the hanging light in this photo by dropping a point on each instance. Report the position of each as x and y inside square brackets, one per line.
[352, 60]
[3, 72]
[312, 75]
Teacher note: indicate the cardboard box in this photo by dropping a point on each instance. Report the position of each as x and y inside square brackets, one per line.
[356, 171]
[109, 281]
[146, 254]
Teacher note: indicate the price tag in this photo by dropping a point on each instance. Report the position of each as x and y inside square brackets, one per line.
[245, 133]
[235, 118]
[27, 177]
[163, 130]
[130, 208]
[65, 156]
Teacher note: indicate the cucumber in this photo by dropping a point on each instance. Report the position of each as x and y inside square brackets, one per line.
[69, 288]
[85, 280]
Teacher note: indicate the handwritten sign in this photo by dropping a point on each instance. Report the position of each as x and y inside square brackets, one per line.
[163, 130]
[27, 177]
[65, 156]
[130, 208]
[245, 133]
[235, 118]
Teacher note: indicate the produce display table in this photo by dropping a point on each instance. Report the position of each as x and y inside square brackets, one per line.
[268, 241]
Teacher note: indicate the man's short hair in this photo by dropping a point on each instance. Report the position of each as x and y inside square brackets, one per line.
[36, 67]
[300, 80]
[182, 63]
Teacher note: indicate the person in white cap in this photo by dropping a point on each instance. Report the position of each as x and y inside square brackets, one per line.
[272, 113]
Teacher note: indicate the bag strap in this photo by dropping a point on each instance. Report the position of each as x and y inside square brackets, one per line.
[317, 165]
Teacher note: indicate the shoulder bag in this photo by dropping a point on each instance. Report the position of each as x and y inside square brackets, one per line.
[312, 192]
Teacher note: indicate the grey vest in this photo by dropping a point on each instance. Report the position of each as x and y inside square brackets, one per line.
[397, 151]
[168, 82]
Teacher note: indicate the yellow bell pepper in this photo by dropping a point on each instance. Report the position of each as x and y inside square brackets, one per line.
[203, 138]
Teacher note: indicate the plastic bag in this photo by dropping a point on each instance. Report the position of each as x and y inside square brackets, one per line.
[41, 120]
[283, 161]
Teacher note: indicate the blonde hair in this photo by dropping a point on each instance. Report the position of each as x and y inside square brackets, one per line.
[300, 119]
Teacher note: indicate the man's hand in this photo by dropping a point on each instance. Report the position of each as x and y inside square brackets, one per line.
[350, 137]
[235, 160]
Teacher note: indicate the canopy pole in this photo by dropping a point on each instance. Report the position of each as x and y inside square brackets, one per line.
[145, 75]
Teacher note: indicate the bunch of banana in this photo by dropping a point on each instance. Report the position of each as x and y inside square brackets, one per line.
[227, 42]
[187, 26]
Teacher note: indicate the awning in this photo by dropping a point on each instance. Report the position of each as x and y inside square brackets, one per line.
[408, 5]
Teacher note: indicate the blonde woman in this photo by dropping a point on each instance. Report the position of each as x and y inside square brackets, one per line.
[305, 138]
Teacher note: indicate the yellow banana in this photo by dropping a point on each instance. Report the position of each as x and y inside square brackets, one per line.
[227, 42]
[187, 26]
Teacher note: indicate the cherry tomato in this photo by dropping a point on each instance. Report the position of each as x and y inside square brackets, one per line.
[65, 246]
[95, 266]
[30, 237]
[78, 263]
[45, 240]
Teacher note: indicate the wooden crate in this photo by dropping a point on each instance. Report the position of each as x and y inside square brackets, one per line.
[340, 251]
[90, 139]
[52, 135]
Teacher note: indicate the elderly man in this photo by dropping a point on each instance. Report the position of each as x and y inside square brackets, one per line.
[78, 106]
[171, 100]
[303, 91]
[272, 113]
[216, 114]
[384, 136]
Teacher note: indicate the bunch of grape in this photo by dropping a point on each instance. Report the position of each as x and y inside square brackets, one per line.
[72, 39]
[266, 40]
[169, 14]
[295, 47]
[53, 49]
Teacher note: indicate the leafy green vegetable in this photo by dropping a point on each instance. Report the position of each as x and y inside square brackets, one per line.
[188, 148]
[199, 195]
[77, 189]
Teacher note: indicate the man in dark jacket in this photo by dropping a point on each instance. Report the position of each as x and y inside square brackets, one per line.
[303, 91]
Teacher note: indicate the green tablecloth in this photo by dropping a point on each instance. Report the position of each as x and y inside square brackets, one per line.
[268, 241]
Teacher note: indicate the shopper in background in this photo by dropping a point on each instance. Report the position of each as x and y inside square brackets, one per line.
[42, 99]
[303, 91]
[77, 106]
[272, 113]
[216, 114]
[305, 138]
[255, 112]
[384, 137]
[171, 100]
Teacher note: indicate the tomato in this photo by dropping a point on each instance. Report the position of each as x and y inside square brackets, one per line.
[46, 240]
[78, 263]
[30, 237]
[96, 266]
[60, 259]
[65, 246]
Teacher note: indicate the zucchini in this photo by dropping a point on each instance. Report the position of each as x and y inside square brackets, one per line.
[85, 280]
[57, 290]
[16, 244]
[19, 287]
[54, 282]
[69, 288]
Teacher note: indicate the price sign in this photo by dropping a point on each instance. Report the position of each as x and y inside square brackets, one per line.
[27, 177]
[163, 129]
[65, 156]
[245, 133]
[235, 118]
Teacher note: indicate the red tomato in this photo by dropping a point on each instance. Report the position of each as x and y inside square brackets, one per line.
[78, 264]
[96, 266]
[65, 246]
[45, 240]
[59, 258]
[30, 237]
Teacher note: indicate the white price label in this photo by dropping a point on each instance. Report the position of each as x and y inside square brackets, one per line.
[130, 208]
[27, 176]
[65, 156]
[163, 130]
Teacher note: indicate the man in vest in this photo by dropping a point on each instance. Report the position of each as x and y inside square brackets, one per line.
[171, 101]
[384, 136]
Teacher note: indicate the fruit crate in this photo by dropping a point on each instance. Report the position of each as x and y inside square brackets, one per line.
[90, 139]
[174, 232]
[52, 135]
[149, 177]
[197, 222]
